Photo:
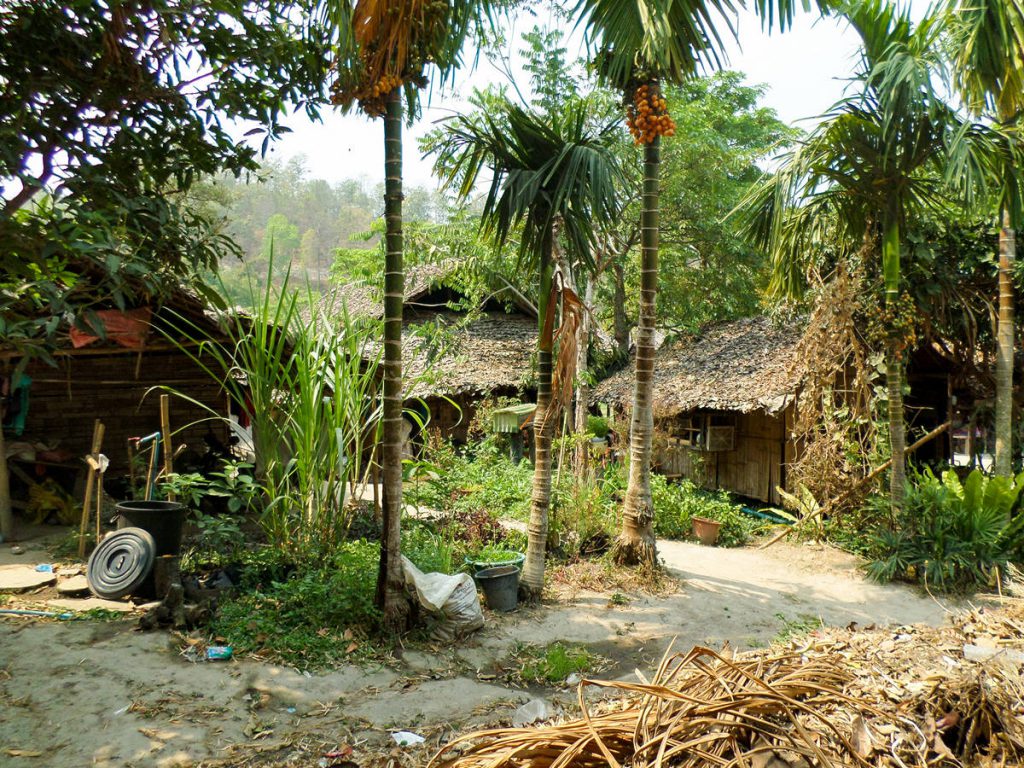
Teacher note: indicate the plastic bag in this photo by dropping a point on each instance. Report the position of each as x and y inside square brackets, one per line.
[453, 599]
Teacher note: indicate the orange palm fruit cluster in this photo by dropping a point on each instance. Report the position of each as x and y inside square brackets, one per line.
[371, 97]
[647, 116]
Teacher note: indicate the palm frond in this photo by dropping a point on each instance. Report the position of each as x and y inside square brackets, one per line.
[987, 41]
[541, 170]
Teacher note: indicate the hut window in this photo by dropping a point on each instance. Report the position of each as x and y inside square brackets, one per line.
[720, 432]
[687, 431]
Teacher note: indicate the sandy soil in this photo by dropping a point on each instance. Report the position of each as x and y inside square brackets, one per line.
[100, 693]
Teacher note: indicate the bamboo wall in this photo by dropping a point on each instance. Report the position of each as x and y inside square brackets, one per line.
[754, 468]
[66, 400]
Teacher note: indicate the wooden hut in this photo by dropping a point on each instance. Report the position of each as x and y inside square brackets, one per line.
[725, 400]
[723, 405]
[454, 356]
[106, 367]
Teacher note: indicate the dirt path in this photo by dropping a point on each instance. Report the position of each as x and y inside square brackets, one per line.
[99, 693]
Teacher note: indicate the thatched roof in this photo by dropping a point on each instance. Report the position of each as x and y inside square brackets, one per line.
[363, 299]
[491, 352]
[745, 365]
[483, 352]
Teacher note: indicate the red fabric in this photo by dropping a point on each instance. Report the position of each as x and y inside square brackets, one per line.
[129, 329]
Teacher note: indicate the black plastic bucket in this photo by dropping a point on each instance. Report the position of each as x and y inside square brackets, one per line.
[500, 586]
[163, 520]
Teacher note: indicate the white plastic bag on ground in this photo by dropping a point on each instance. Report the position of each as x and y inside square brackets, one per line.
[452, 598]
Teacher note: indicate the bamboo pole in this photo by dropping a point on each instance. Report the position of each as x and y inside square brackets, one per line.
[165, 427]
[99, 501]
[90, 479]
[856, 486]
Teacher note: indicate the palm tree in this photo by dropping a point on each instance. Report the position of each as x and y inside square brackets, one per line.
[641, 44]
[554, 176]
[876, 159]
[987, 37]
[383, 49]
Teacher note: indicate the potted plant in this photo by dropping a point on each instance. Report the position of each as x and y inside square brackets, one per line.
[706, 530]
[494, 556]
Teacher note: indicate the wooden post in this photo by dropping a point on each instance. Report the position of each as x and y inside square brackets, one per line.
[131, 467]
[99, 501]
[90, 479]
[165, 427]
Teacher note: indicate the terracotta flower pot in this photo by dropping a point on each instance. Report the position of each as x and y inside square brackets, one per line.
[706, 530]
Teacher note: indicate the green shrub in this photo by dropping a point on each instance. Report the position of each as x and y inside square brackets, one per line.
[302, 619]
[488, 481]
[951, 535]
[676, 504]
[597, 426]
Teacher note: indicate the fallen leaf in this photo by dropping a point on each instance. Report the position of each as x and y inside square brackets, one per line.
[861, 738]
[348, 635]
[351, 647]
[24, 753]
[948, 720]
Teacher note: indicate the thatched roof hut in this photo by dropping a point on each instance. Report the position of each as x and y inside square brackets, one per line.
[743, 366]
[451, 354]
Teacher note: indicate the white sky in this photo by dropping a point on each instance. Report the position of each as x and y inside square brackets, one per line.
[805, 71]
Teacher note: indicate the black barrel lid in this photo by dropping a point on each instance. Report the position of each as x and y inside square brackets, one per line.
[121, 562]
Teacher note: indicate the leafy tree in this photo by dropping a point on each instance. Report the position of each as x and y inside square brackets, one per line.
[280, 238]
[987, 40]
[864, 175]
[555, 177]
[709, 271]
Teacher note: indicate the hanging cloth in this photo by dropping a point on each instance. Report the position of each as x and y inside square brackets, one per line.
[14, 395]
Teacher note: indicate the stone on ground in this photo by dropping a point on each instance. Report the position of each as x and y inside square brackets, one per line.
[21, 578]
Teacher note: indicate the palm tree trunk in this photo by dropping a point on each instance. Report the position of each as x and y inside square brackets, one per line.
[390, 582]
[543, 430]
[894, 365]
[636, 543]
[582, 387]
[1004, 351]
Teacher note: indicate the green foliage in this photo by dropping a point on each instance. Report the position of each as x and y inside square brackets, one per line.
[598, 426]
[461, 484]
[676, 504]
[302, 619]
[709, 273]
[219, 533]
[493, 554]
[950, 534]
[310, 382]
[585, 508]
[123, 126]
[552, 664]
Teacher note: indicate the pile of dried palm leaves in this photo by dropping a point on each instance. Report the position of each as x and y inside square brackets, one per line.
[906, 699]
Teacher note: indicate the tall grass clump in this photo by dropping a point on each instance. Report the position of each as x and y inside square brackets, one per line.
[308, 380]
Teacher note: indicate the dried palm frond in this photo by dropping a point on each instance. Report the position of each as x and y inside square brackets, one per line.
[701, 709]
[566, 338]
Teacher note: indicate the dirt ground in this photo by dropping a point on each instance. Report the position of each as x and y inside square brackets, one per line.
[76, 693]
